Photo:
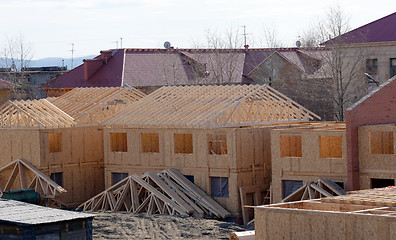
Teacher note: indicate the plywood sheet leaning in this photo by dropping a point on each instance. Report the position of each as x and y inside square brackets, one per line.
[33, 114]
[211, 107]
[20, 174]
[167, 192]
[93, 105]
[314, 190]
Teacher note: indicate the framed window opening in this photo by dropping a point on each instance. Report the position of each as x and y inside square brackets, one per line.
[217, 144]
[330, 146]
[290, 146]
[372, 66]
[392, 67]
[219, 187]
[118, 142]
[117, 177]
[150, 142]
[55, 142]
[381, 142]
[57, 178]
[183, 143]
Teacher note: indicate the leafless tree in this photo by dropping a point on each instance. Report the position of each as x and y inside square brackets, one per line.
[17, 53]
[342, 62]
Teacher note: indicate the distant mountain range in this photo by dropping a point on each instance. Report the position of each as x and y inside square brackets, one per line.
[46, 62]
[53, 61]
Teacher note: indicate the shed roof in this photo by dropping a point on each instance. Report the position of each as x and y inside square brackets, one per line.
[211, 107]
[33, 114]
[21, 213]
[92, 105]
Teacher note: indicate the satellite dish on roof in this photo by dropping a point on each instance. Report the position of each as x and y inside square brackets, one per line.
[298, 43]
[167, 44]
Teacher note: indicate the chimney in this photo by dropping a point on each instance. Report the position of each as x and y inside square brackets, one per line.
[246, 47]
[91, 66]
[105, 54]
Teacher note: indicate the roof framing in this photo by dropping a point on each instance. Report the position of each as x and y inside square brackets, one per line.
[211, 107]
[33, 114]
[93, 105]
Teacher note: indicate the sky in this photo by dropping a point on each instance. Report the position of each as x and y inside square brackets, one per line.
[51, 26]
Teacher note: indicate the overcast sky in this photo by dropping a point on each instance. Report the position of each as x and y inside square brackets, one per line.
[50, 26]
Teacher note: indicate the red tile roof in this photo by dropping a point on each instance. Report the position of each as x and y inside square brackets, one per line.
[158, 67]
[381, 30]
[6, 84]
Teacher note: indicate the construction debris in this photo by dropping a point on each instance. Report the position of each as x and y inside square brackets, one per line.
[313, 190]
[246, 235]
[167, 192]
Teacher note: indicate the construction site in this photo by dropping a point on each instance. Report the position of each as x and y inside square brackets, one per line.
[201, 151]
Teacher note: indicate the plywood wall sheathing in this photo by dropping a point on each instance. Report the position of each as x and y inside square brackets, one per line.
[306, 152]
[211, 107]
[33, 114]
[93, 105]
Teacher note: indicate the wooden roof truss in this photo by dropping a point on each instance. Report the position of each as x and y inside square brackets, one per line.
[167, 192]
[93, 105]
[20, 174]
[314, 190]
[211, 107]
[33, 114]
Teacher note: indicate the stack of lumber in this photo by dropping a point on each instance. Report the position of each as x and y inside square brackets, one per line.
[314, 190]
[246, 235]
[166, 192]
[384, 197]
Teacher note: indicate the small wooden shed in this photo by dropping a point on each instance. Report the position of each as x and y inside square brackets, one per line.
[217, 136]
[306, 152]
[20, 220]
[45, 136]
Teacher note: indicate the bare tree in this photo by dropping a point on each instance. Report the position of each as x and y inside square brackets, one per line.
[271, 39]
[342, 62]
[17, 53]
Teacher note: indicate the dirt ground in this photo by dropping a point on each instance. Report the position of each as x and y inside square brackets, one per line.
[139, 226]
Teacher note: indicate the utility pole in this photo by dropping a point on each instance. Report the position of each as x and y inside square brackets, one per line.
[72, 52]
[244, 33]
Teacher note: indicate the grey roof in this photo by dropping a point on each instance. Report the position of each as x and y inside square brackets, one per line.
[22, 213]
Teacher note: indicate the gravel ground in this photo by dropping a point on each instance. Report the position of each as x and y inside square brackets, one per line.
[140, 226]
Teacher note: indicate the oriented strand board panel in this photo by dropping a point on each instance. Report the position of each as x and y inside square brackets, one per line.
[331, 219]
[376, 153]
[321, 150]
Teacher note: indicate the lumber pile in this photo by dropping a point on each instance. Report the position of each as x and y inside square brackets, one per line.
[166, 192]
[313, 190]
[245, 235]
[21, 174]
[381, 197]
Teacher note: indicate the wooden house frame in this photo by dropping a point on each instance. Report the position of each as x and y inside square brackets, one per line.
[215, 135]
[306, 153]
[48, 138]
[377, 156]
[90, 106]
[365, 214]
